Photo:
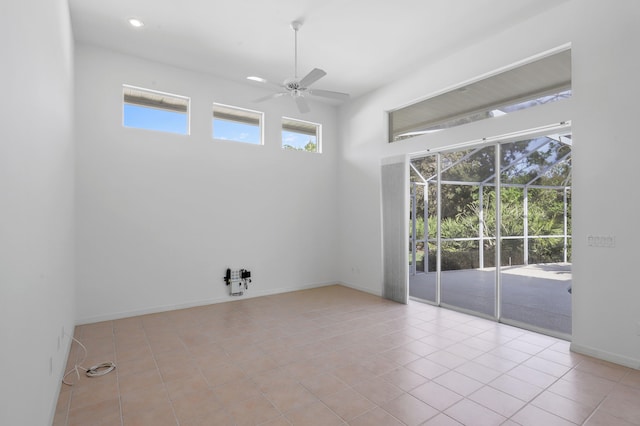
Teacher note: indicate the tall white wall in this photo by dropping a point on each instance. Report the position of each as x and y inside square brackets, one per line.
[603, 111]
[36, 207]
[161, 216]
[606, 314]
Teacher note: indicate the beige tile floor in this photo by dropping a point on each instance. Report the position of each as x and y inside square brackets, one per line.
[336, 356]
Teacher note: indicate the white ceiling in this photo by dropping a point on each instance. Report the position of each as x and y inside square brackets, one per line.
[361, 44]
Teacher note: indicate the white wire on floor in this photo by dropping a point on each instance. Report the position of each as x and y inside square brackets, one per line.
[94, 371]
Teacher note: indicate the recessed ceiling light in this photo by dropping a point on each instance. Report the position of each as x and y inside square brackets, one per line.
[258, 79]
[135, 22]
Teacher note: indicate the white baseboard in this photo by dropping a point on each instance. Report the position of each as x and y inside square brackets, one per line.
[359, 288]
[606, 356]
[61, 373]
[184, 305]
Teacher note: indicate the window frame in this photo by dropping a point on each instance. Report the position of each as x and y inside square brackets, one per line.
[240, 119]
[538, 80]
[288, 124]
[159, 101]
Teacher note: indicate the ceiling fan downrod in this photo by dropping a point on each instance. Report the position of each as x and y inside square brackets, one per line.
[295, 26]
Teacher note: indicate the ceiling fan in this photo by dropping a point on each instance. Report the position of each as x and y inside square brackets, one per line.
[296, 87]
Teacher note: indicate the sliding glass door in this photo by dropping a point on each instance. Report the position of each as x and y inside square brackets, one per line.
[423, 235]
[501, 204]
[466, 190]
[535, 273]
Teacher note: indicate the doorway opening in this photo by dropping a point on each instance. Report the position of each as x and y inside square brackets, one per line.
[490, 231]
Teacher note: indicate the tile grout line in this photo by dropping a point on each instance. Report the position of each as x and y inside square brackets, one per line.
[379, 337]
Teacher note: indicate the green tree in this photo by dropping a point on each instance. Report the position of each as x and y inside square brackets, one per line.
[310, 147]
[532, 163]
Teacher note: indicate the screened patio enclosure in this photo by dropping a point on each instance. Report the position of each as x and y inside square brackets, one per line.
[505, 204]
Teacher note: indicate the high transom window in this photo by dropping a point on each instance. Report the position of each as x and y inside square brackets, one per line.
[237, 124]
[298, 135]
[539, 82]
[153, 110]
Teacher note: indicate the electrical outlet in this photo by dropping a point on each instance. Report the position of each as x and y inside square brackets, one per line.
[608, 241]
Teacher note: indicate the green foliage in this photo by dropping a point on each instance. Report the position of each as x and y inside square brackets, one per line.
[461, 208]
[311, 146]
[420, 228]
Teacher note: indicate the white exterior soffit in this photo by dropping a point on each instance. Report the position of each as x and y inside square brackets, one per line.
[152, 99]
[298, 126]
[229, 113]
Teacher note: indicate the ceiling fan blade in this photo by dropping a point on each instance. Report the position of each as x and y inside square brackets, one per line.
[271, 96]
[303, 106]
[315, 75]
[329, 94]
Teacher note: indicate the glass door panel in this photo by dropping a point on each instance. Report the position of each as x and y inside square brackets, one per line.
[467, 219]
[423, 229]
[535, 176]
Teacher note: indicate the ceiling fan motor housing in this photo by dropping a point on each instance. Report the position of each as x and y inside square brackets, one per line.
[294, 87]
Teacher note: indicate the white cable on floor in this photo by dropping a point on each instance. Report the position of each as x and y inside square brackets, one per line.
[94, 371]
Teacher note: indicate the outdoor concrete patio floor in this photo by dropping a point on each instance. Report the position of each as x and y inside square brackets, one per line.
[535, 294]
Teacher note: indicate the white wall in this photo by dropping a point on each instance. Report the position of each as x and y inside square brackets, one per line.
[603, 112]
[606, 314]
[161, 216]
[36, 207]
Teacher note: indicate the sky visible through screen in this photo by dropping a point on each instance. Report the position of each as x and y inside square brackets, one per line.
[296, 140]
[155, 119]
[234, 131]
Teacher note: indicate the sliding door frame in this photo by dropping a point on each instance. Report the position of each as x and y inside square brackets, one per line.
[564, 127]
